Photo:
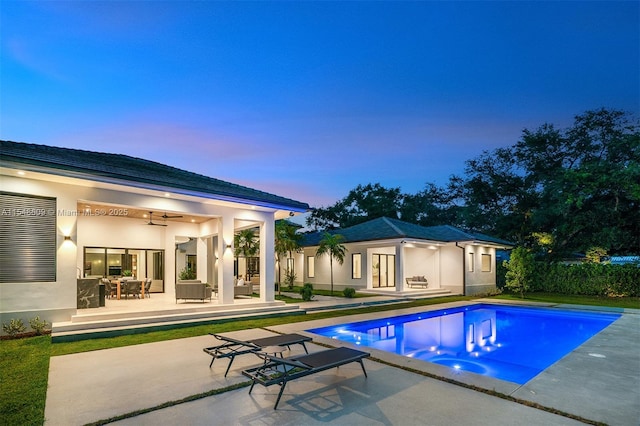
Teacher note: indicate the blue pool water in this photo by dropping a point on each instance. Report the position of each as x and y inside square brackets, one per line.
[508, 343]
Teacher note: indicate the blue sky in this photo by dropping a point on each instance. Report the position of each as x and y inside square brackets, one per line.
[309, 99]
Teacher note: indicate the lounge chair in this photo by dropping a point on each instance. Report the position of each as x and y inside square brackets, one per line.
[231, 348]
[278, 371]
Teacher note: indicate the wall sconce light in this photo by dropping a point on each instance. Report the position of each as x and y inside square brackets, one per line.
[228, 246]
[67, 237]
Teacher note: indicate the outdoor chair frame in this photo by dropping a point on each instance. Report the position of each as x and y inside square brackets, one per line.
[231, 348]
[280, 371]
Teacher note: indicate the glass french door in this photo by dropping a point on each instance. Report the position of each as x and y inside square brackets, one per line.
[384, 270]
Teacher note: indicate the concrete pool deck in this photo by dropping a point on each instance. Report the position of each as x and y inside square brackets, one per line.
[599, 382]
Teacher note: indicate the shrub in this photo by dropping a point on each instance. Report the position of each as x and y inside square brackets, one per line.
[349, 292]
[187, 274]
[595, 254]
[290, 278]
[590, 279]
[15, 326]
[501, 271]
[306, 292]
[519, 270]
[38, 325]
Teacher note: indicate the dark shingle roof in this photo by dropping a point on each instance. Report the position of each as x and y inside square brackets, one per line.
[385, 228]
[125, 169]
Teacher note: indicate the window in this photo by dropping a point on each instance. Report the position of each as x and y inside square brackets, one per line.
[356, 266]
[192, 263]
[311, 266]
[28, 243]
[470, 263]
[486, 263]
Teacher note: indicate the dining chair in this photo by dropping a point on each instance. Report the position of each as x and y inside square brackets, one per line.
[147, 288]
[132, 287]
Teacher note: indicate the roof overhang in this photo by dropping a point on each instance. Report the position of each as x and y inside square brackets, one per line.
[417, 242]
[484, 244]
[86, 179]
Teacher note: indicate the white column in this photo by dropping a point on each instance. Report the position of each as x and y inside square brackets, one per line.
[268, 260]
[202, 255]
[225, 262]
[399, 267]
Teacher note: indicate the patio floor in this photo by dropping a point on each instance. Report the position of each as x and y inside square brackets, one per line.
[162, 309]
[91, 386]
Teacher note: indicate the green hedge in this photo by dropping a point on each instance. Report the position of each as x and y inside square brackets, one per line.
[594, 279]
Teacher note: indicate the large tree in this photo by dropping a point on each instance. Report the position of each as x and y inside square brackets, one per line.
[588, 180]
[495, 197]
[580, 186]
[363, 203]
[430, 207]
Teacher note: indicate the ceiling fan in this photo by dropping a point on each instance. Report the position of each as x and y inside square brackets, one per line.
[164, 216]
[151, 222]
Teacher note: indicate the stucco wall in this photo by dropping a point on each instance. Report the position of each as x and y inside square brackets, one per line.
[451, 268]
[52, 301]
[479, 281]
[423, 262]
[342, 274]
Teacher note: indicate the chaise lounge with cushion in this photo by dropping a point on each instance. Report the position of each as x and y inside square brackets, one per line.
[418, 281]
[231, 348]
[280, 371]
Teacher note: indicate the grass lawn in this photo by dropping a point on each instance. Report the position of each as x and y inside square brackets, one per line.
[24, 363]
[613, 302]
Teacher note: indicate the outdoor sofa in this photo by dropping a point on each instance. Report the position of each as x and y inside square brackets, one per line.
[192, 289]
[417, 281]
[243, 290]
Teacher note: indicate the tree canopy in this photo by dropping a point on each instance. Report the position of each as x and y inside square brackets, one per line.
[556, 191]
[361, 204]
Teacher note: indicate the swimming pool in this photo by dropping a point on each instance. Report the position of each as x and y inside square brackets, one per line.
[504, 342]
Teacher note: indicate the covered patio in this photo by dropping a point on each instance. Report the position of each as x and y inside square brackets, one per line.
[83, 215]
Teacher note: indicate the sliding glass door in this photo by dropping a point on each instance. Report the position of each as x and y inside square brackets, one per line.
[106, 262]
[384, 270]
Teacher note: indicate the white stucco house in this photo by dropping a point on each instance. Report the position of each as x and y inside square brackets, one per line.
[69, 214]
[392, 256]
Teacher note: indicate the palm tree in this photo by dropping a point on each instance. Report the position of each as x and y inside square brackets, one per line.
[246, 244]
[331, 245]
[287, 241]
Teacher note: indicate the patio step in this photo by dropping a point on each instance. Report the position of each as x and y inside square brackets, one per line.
[83, 317]
[107, 325]
[421, 294]
[413, 293]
